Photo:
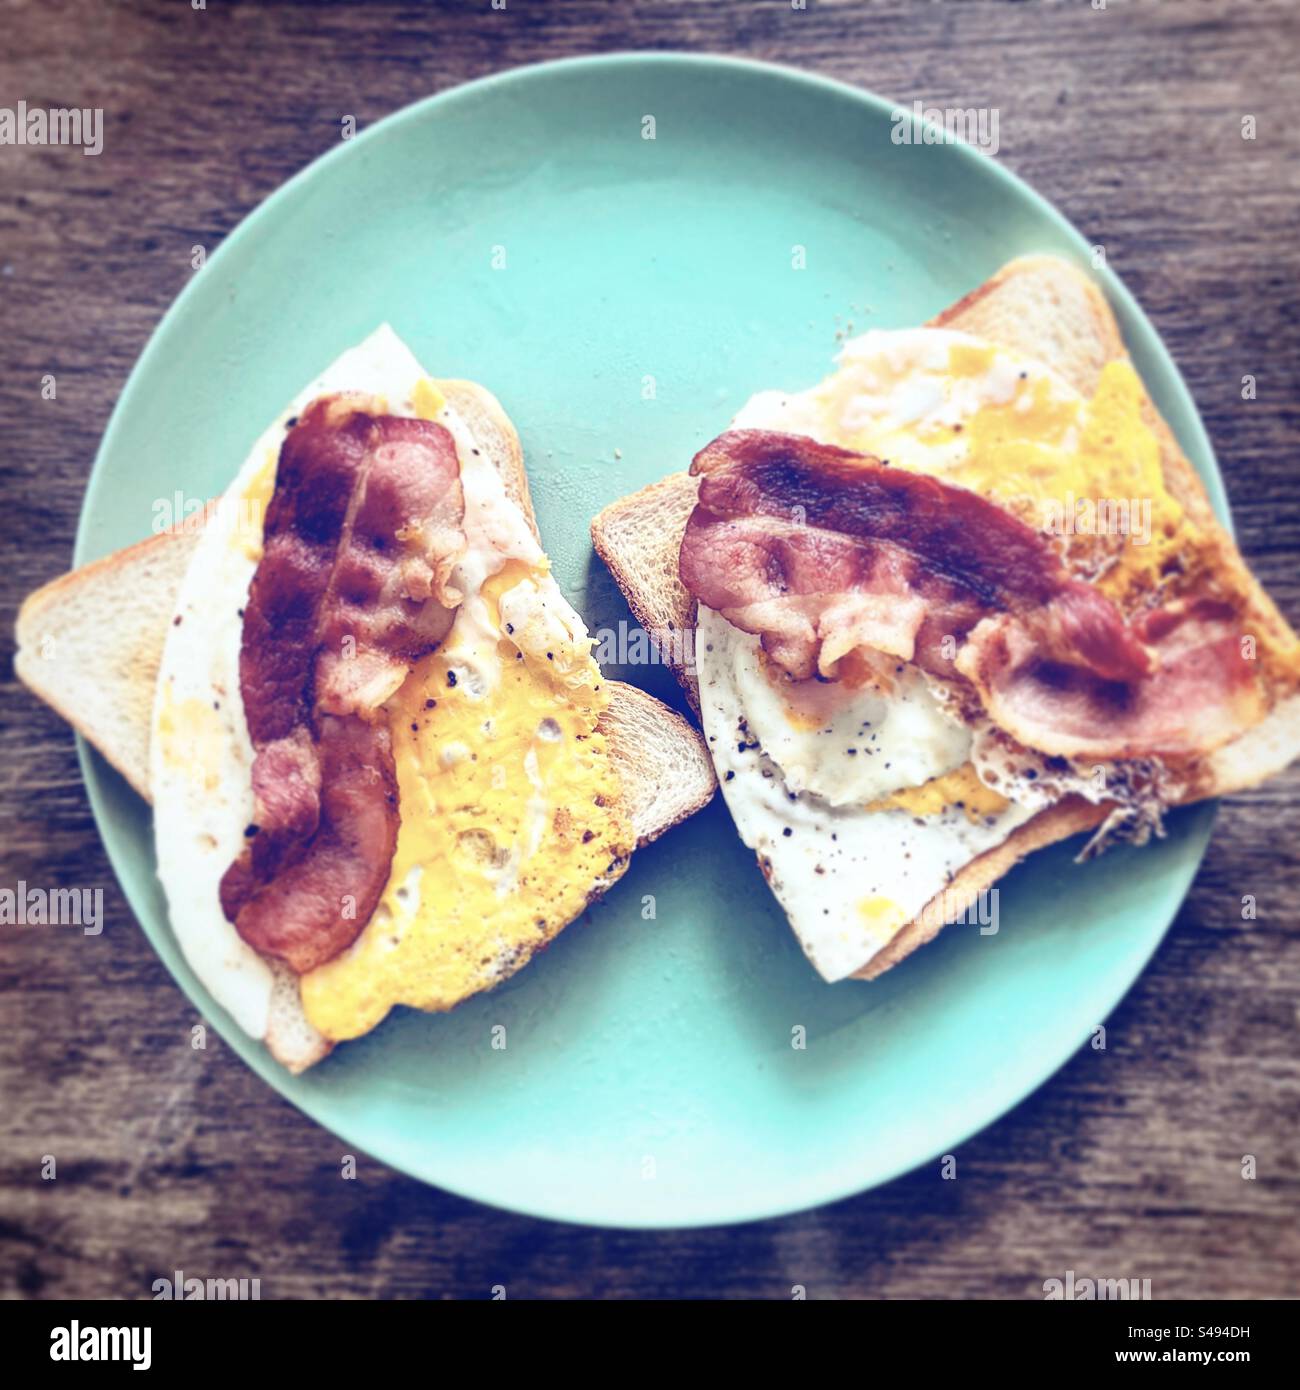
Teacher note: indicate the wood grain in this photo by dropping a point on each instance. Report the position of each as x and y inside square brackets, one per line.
[1129, 1161]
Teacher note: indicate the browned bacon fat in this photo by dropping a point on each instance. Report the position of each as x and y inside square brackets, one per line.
[353, 586]
[821, 551]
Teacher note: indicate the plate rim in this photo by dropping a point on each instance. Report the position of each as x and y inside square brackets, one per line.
[312, 1098]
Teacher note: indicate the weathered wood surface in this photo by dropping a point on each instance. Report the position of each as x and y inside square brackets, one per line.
[1126, 1163]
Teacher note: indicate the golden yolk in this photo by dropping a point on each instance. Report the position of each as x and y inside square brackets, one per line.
[881, 917]
[191, 735]
[960, 786]
[249, 523]
[969, 360]
[511, 573]
[1059, 454]
[1035, 418]
[426, 400]
[510, 816]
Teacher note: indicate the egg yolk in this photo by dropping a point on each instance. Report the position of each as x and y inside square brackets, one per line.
[427, 400]
[881, 918]
[511, 816]
[960, 787]
[1046, 449]
[251, 517]
[191, 735]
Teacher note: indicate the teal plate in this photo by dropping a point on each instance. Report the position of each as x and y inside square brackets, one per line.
[649, 1077]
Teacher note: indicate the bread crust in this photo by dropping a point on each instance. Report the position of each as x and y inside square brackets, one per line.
[638, 539]
[1068, 817]
[664, 767]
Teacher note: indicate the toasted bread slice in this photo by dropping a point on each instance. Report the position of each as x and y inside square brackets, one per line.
[89, 642]
[89, 645]
[1045, 309]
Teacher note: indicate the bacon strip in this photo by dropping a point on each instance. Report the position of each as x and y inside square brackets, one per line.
[322, 895]
[352, 588]
[821, 551]
[391, 590]
[1202, 695]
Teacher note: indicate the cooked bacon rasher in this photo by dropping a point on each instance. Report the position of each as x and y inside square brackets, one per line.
[822, 551]
[352, 588]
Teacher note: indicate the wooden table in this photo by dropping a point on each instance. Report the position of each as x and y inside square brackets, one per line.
[1128, 1163]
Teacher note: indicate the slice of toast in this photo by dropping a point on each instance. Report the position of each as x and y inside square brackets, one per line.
[1045, 309]
[89, 644]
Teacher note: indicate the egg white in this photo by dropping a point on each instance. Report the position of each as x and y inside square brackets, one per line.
[892, 387]
[848, 746]
[824, 859]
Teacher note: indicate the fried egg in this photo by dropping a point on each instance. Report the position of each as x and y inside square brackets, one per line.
[511, 814]
[864, 797]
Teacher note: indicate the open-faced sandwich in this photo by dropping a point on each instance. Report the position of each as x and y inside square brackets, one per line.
[963, 599]
[384, 765]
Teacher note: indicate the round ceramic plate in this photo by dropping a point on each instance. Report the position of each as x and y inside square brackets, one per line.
[522, 232]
